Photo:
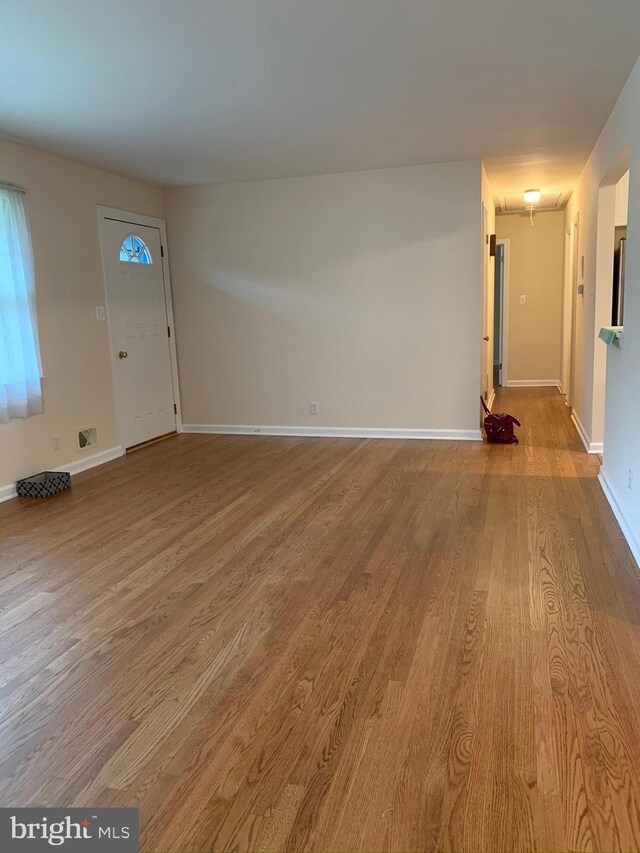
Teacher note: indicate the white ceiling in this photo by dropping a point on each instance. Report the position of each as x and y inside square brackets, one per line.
[199, 91]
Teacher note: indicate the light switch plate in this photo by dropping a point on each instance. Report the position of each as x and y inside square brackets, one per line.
[523, 300]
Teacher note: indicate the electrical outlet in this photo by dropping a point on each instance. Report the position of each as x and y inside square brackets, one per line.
[313, 408]
[630, 480]
[55, 441]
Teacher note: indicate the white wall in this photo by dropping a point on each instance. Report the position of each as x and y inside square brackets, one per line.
[536, 267]
[360, 291]
[617, 148]
[61, 206]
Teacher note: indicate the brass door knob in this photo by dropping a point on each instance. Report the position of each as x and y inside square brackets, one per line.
[123, 354]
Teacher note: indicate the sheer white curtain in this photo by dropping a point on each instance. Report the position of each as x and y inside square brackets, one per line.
[20, 370]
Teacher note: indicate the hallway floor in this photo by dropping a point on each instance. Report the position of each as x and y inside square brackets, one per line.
[330, 644]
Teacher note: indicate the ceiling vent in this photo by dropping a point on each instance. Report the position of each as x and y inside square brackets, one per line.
[87, 437]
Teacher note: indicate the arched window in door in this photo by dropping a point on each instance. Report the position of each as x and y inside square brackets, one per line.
[134, 250]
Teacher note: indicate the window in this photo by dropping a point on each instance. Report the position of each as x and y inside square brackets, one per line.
[20, 371]
[134, 250]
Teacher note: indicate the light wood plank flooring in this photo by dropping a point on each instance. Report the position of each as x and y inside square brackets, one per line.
[280, 644]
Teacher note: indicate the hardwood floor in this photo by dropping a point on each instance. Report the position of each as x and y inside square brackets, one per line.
[280, 644]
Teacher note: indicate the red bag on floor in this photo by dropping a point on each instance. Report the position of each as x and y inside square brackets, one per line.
[499, 428]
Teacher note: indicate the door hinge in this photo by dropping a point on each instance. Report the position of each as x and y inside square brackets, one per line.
[175, 408]
[168, 331]
[161, 251]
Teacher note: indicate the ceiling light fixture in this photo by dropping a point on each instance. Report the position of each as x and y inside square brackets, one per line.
[532, 196]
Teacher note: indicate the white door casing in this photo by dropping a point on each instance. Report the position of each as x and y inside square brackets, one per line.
[139, 333]
[575, 279]
[486, 352]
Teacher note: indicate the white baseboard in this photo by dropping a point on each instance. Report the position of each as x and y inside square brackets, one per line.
[7, 492]
[534, 383]
[81, 464]
[589, 446]
[86, 462]
[336, 432]
[632, 542]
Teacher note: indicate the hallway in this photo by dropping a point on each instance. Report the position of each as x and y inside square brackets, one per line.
[330, 644]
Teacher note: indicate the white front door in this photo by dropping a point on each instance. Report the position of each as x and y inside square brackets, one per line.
[138, 331]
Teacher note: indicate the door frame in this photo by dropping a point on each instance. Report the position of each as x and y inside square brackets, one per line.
[486, 351]
[504, 310]
[131, 218]
[567, 294]
[575, 278]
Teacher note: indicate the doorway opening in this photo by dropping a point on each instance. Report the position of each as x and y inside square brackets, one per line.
[620, 250]
[611, 243]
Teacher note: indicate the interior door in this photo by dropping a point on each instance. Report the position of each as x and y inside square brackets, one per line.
[138, 331]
